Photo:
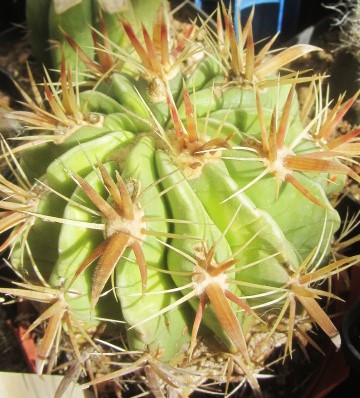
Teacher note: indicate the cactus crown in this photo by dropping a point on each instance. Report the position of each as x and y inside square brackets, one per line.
[187, 206]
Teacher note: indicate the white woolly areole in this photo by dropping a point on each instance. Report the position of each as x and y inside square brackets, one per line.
[277, 166]
[191, 165]
[133, 228]
[207, 280]
[113, 6]
[61, 6]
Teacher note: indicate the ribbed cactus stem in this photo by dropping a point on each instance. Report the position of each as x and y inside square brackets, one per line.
[171, 189]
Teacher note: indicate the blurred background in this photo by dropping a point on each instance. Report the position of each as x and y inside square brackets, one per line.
[297, 15]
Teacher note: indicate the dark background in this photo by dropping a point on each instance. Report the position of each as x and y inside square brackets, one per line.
[298, 14]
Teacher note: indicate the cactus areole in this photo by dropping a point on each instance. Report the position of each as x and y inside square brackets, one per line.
[169, 204]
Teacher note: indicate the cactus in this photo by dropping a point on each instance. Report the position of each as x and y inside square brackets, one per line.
[50, 20]
[180, 198]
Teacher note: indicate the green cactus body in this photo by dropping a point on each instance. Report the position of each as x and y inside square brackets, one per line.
[191, 216]
[48, 20]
